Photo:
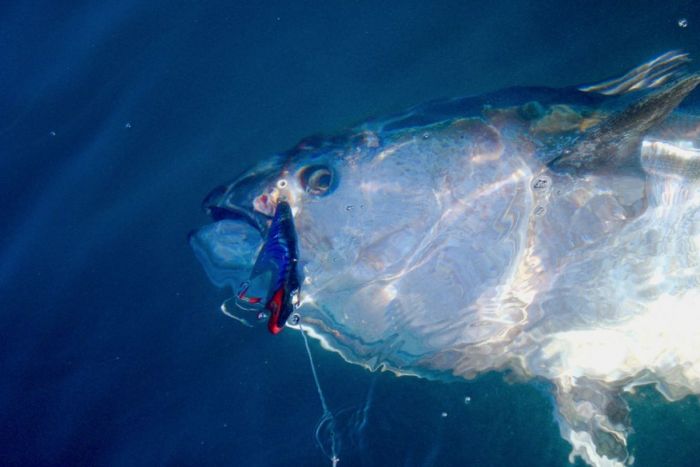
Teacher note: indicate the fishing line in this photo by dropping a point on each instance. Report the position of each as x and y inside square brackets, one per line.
[327, 414]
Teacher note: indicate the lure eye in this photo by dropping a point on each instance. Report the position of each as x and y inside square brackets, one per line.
[316, 179]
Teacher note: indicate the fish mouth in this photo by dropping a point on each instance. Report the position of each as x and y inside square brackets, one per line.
[271, 289]
[256, 241]
[253, 219]
[218, 206]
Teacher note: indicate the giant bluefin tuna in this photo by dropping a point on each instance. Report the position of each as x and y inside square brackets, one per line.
[554, 233]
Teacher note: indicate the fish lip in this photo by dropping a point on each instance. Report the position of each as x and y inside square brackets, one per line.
[255, 220]
[235, 201]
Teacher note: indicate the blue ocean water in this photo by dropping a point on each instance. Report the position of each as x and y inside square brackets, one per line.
[118, 117]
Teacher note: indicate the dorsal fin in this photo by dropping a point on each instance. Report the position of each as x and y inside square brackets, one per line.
[615, 139]
[651, 74]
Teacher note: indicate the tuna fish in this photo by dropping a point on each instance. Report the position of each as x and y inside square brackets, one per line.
[552, 233]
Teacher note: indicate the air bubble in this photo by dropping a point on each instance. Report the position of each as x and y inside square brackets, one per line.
[127, 125]
[539, 210]
[443, 415]
[349, 207]
[52, 133]
[467, 400]
[426, 135]
[282, 184]
[683, 23]
[294, 319]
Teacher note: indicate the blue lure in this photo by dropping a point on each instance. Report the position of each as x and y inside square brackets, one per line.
[274, 280]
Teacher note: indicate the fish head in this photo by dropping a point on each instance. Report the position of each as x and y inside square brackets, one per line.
[343, 208]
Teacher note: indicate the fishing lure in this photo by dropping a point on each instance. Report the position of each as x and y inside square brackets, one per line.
[274, 279]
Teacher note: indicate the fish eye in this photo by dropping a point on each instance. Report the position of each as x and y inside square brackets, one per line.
[316, 179]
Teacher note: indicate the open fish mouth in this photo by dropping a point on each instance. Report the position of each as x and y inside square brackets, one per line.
[217, 206]
[264, 274]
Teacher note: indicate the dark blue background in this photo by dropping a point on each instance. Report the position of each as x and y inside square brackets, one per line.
[112, 349]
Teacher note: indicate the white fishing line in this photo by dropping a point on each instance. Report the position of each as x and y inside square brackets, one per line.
[327, 414]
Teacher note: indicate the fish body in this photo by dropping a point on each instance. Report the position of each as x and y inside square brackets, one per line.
[550, 232]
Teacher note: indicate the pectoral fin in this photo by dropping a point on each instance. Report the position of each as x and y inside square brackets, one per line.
[616, 140]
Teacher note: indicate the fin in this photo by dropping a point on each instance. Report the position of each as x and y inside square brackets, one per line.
[595, 420]
[618, 137]
[651, 74]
